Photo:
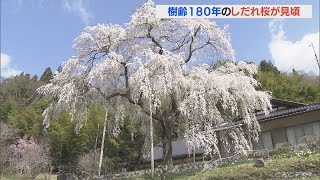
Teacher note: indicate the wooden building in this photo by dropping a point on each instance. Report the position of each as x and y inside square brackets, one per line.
[287, 122]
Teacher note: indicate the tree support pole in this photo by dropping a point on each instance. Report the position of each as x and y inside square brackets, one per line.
[151, 143]
[102, 143]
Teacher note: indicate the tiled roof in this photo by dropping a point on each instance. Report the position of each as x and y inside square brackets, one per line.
[288, 112]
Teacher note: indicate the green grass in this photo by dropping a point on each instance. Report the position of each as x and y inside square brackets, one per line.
[248, 171]
[18, 176]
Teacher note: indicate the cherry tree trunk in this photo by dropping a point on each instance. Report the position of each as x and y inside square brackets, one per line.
[167, 149]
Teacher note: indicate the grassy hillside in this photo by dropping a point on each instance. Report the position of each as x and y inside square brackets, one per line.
[294, 164]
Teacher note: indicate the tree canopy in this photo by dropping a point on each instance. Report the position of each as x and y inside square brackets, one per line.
[156, 67]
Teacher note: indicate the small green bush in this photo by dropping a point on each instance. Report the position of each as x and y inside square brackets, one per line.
[313, 141]
[282, 148]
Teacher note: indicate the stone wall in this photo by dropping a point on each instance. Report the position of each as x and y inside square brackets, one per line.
[177, 168]
[288, 175]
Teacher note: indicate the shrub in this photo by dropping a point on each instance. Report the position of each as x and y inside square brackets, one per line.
[88, 163]
[313, 141]
[282, 148]
[301, 147]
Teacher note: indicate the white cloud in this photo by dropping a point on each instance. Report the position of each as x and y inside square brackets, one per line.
[77, 7]
[287, 54]
[6, 69]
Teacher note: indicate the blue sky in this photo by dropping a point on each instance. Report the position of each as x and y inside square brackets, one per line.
[36, 34]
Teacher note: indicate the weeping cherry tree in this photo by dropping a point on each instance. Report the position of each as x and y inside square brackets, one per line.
[159, 68]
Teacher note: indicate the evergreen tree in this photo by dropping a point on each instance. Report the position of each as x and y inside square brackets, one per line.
[266, 66]
[47, 75]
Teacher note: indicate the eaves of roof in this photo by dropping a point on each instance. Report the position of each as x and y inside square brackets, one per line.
[288, 112]
[276, 101]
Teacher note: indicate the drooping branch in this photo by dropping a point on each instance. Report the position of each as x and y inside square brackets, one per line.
[145, 109]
